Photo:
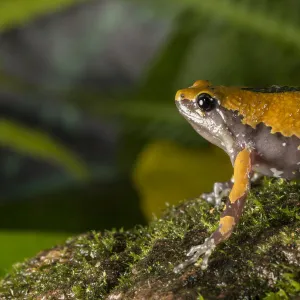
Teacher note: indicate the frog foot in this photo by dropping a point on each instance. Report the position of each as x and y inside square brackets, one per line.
[195, 252]
[220, 190]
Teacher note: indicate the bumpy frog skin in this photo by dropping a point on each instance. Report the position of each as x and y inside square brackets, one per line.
[260, 131]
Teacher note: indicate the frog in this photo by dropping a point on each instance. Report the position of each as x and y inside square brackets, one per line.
[259, 129]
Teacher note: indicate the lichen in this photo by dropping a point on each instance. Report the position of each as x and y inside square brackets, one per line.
[261, 259]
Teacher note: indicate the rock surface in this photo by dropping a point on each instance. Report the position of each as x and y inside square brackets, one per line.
[261, 260]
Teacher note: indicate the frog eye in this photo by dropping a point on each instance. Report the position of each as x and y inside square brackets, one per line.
[206, 102]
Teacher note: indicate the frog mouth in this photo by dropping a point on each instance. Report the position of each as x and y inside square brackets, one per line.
[187, 108]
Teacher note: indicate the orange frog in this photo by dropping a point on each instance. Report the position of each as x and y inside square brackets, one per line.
[259, 128]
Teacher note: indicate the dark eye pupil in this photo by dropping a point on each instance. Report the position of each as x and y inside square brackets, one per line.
[206, 102]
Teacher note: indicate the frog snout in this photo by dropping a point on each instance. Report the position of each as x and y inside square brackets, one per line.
[179, 95]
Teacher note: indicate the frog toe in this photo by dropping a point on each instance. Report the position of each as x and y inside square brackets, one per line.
[195, 252]
[186, 263]
[209, 198]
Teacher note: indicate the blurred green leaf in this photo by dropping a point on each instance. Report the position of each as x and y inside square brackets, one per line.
[16, 246]
[165, 70]
[146, 103]
[262, 17]
[37, 144]
[16, 12]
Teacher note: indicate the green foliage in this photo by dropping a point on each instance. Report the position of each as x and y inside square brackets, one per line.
[200, 297]
[171, 59]
[262, 18]
[17, 245]
[38, 144]
[16, 12]
[280, 295]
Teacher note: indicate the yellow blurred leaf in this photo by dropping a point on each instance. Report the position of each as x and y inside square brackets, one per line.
[167, 173]
[16, 12]
[37, 144]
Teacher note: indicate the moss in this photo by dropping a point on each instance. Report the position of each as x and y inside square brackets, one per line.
[261, 259]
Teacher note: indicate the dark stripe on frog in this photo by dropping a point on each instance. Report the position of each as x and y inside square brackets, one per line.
[273, 89]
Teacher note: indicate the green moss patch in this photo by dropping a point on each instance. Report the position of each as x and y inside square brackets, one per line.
[261, 258]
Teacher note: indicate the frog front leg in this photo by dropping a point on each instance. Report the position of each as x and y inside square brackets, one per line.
[222, 189]
[231, 214]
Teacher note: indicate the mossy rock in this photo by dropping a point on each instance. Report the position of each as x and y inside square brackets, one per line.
[261, 260]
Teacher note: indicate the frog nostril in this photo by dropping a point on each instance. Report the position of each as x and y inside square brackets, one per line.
[180, 95]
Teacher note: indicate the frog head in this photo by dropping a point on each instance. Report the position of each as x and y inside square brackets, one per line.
[201, 105]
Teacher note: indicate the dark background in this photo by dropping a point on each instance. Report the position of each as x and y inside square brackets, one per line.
[90, 136]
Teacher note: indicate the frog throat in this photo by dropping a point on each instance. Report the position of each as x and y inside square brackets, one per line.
[213, 129]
